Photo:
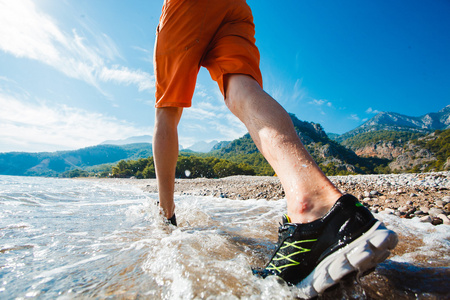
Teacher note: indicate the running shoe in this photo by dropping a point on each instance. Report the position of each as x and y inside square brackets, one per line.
[172, 220]
[314, 256]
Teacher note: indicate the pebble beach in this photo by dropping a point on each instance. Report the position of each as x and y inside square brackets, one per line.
[425, 196]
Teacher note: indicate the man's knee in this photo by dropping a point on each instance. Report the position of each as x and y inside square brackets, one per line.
[168, 116]
[239, 89]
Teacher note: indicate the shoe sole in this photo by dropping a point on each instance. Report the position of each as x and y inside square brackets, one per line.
[362, 254]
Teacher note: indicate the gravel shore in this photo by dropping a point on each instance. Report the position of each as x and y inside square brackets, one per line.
[424, 195]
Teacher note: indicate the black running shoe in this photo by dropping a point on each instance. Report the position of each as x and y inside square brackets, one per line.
[316, 255]
[172, 220]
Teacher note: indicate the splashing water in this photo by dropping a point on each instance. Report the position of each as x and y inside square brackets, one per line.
[87, 239]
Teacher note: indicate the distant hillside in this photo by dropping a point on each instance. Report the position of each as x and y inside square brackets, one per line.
[331, 156]
[390, 121]
[333, 136]
[52, 164]
[202, 147]
[131, 140]
[220, 145]
[428, 153]
[403, 142]
[382, 143]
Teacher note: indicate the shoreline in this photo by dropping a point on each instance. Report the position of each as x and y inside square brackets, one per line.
[423, 195]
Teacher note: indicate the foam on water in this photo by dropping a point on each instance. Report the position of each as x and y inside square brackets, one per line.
[434, 241]
[69, 238]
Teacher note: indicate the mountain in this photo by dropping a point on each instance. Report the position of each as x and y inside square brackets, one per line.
[203, 147]
[220, 145]
[381, 143]
[331, 156]
[407, 143]
[54, 163]
[428, 153]
[130, 140]
[391, 121]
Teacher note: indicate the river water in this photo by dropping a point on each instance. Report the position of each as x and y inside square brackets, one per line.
[73, 239]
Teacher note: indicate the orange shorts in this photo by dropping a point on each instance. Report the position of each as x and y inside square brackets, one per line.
[216, 34]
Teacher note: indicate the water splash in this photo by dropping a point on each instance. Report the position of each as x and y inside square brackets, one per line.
[81, 239]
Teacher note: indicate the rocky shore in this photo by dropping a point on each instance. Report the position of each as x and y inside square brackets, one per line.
[425, 195]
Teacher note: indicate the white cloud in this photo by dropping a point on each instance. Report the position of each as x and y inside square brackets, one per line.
[372, 111]
[317, 102]
[26, 32]
[143, 80]
[321, 102]
[201, 93]
[39, 126]
[354, 117]
[299, 91]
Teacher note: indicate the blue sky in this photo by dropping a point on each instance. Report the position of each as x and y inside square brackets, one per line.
[74, 73]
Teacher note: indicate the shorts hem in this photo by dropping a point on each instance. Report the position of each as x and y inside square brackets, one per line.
[172, 104]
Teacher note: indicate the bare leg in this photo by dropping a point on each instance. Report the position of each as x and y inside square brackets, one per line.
[165, 155]
[309, 193]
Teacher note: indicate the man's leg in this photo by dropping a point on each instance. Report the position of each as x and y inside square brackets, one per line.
[338, 235]
[308, 191]
[165, 155]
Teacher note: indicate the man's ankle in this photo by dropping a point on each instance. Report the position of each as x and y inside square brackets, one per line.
[310, 210]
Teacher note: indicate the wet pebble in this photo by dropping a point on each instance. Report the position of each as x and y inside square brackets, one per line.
[435, 211]
[425, 209]
[403, 209]
[374, 193]
[447, 208]
[440, 203]
[444, 218]
[425, 219]
[436, 221]
[389, 211]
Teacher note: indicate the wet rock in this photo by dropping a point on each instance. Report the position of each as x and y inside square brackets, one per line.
[374, 193]
[424, 209]
[436, 221]
[419, 213]
[440, 203]
[447, 208]
[425, 219]
[411, 211]
[388, 211]
[444, 218]
[403, 209]
[435, 211]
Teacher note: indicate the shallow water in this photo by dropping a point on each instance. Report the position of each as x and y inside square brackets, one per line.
[84, 239]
